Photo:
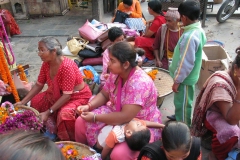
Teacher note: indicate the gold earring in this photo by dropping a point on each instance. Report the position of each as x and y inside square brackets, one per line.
[235, 74]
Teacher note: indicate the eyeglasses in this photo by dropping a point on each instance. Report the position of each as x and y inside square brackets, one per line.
[42, 51]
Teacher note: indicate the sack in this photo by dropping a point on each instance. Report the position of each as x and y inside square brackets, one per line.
[103, 37]
[75, 46]
[135, 23]
[87, 53]
[93, 61]
[106, 44]
[120, 16]
[89, 32]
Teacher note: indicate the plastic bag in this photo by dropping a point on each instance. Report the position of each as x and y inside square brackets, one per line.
[96, 77]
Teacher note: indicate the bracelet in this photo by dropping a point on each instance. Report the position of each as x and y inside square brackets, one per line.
[94, 118]
[237, 101]
[89, 105]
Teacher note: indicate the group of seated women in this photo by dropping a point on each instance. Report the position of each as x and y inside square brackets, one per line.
[130, 93]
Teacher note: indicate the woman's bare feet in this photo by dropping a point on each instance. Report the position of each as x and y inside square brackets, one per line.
[211, 156]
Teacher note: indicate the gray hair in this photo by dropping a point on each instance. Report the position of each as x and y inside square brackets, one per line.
[52, 43]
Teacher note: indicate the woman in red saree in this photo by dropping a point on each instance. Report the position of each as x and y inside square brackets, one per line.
[66, 90]
[10, 24]
[217, 109]
[146, 40]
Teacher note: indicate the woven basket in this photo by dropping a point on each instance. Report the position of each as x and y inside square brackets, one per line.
[82, 149]
[22, 108]
[163, 81]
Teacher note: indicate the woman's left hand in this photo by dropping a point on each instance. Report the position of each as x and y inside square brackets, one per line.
[44, 116]
[87, 116]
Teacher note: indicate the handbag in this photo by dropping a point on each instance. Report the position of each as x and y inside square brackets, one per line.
[89, 32]
[120, 16]
[103, 36]
[106, 44]
[93, 61]
[75, 46]
[135, 23]
[87, 53]
[94, 47]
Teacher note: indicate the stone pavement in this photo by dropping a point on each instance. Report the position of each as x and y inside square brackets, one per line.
[25, 44]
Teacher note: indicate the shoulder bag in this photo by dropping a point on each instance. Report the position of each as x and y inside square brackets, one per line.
[120, 16]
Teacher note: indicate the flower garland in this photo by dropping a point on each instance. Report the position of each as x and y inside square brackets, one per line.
[21, 73]
[153, 74]
[6, 76]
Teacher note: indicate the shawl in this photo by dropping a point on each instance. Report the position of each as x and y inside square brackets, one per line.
[204, 100]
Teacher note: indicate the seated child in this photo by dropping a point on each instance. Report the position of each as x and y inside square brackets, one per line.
[135, 133]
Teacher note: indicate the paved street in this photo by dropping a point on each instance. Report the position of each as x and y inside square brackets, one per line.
[25, 44]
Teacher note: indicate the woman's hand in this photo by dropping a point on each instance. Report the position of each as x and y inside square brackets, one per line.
[44, 116]
[158, 63]
[88, 116]
[83, 108]
[18, 104]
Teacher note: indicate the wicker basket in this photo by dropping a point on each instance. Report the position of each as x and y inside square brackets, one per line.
[22, 108]
[82, 149]
[163, 83]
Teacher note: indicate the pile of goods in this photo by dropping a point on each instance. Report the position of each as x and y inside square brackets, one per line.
[12, 118]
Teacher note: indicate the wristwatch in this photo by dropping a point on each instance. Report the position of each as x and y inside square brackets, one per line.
[50, 110]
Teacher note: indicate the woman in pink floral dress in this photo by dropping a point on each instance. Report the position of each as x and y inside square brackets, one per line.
[138, 99]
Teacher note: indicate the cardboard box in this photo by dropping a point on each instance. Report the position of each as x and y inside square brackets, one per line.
[214, 58]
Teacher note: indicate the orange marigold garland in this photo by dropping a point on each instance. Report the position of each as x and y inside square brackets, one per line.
[6, 76]
[21, 73]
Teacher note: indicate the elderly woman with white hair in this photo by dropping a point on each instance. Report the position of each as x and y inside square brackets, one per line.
[66, 90]
[166, 38]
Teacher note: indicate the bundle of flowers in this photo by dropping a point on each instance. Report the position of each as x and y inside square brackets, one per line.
[88, 76]
[153, 73]
[10, 119]
[71, 151]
